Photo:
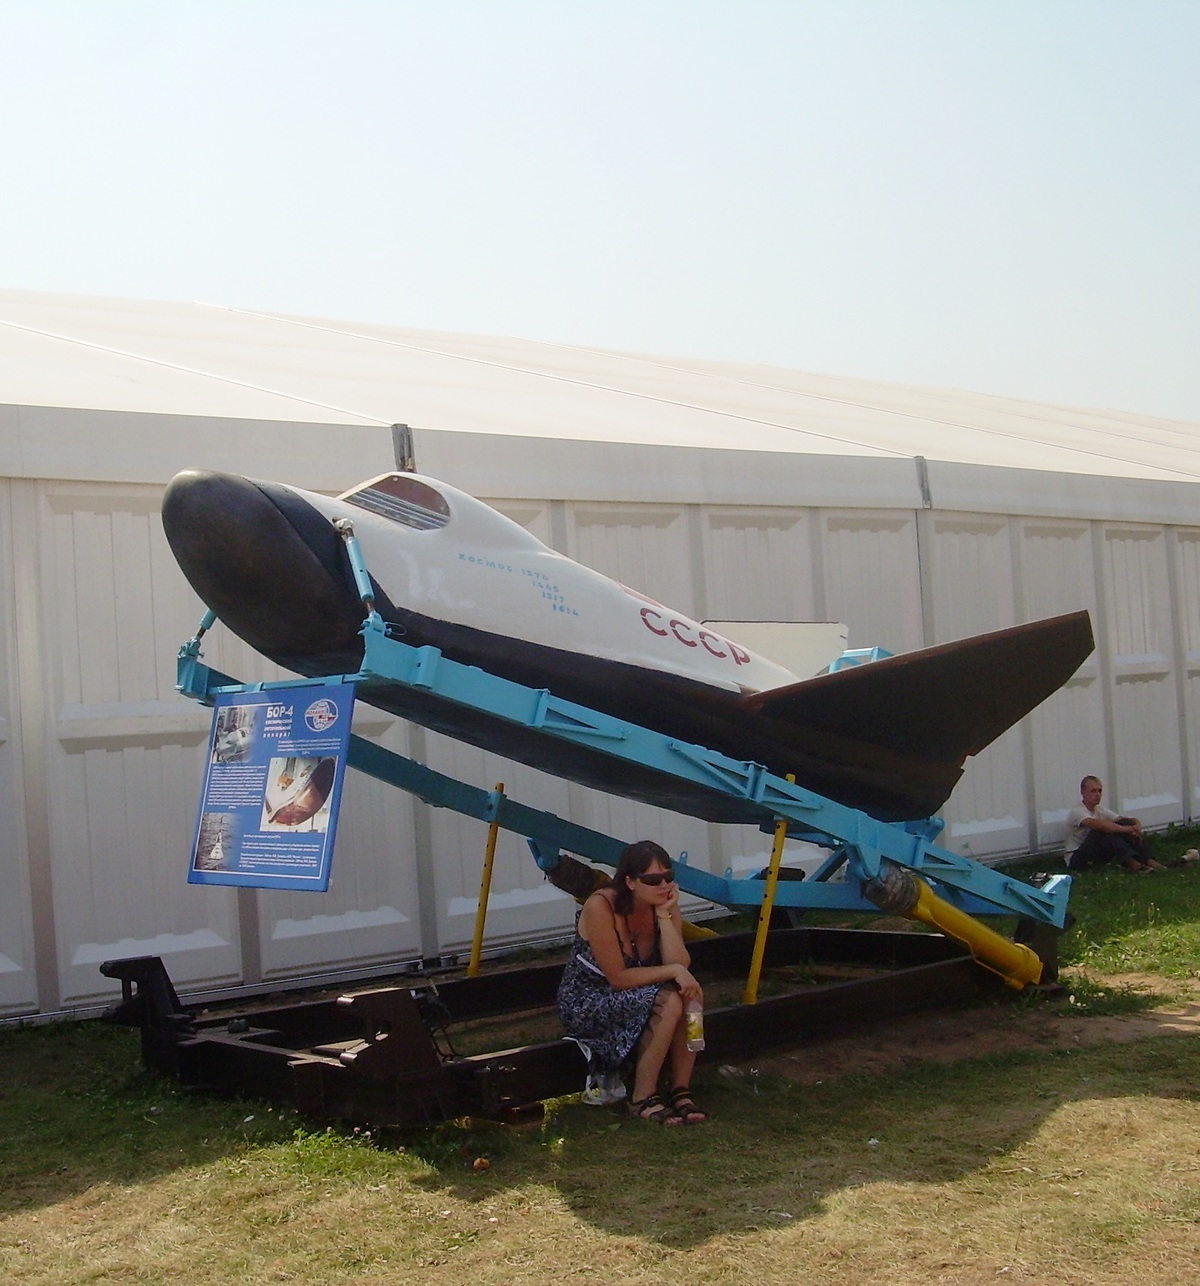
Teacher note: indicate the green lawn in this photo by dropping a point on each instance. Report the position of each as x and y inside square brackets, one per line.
[1062, 1162]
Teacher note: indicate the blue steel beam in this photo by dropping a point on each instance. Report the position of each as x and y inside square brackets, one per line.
[754, 789]
[755, 794]
[550, 833]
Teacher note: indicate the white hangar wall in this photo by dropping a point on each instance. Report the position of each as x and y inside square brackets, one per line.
[100, 759]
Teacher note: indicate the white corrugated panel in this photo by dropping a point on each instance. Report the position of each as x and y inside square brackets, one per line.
[18, 969]
[1068, 730]
[758, 565]
[646, 548]
[1141, 656]
[872, 577]
[971, 591]
[371, 913]
[523, 906]
[120, 752]
[1187, 617]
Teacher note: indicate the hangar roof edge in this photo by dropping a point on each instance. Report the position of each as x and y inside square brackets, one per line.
[191, 361]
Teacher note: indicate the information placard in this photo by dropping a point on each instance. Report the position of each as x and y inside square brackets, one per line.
[272, 785]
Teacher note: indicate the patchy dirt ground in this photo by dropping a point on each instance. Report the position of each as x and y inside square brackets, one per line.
[947, 1036]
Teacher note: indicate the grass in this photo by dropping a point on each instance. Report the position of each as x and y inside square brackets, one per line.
[1136, 924]
[1075, 1164]
[1123, 929]
[1064, 1166]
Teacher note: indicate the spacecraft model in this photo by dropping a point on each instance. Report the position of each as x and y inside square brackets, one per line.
[889, 738]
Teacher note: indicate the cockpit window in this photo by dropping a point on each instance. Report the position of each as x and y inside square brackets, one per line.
[404, 500]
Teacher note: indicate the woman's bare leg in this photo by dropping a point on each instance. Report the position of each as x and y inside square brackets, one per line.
[663, 1028]
[683, 1060]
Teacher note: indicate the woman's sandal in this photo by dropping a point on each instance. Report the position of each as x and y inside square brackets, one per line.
[653, 1109]
[681, 1102]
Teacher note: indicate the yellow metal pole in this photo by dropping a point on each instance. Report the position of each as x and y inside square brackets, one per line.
[485, 890]
[1016, 963]
[750, 995]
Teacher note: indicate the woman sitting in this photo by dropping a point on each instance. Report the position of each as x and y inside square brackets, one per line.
[627, 984]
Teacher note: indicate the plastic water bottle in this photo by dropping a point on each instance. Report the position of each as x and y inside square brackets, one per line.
[695, 1028]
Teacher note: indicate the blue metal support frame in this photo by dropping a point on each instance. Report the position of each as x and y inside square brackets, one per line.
[858, 656]
[858, 841]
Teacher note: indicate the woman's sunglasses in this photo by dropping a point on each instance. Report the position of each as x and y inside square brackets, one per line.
[659, 877]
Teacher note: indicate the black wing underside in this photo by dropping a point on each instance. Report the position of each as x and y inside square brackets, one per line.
[943, 703]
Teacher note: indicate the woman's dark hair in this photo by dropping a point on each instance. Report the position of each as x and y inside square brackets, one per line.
[637, 859]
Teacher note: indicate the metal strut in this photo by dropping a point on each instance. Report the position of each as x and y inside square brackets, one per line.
[861, 844]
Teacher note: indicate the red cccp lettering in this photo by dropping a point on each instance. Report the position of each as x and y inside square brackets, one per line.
[711, 644]
[676, 626]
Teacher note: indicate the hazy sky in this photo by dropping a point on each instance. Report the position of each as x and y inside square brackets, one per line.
[1001, 195]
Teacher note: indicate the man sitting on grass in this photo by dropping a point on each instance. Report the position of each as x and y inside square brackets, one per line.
[1096, 835]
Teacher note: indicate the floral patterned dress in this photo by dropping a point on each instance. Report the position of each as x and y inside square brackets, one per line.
[606, 1020]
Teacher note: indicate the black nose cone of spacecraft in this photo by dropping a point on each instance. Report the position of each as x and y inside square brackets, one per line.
[270, 565]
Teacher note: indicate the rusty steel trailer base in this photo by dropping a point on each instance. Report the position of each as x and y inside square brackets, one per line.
[377, 1056]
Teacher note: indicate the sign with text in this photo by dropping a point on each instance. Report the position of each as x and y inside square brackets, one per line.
[272, 785]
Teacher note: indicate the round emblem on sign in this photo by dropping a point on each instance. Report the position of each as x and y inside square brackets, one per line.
[321, 715]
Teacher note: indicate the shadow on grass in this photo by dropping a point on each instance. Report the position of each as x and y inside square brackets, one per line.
[775, 1151]
[78, 1111]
